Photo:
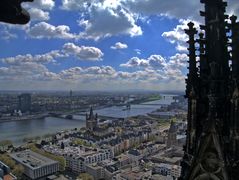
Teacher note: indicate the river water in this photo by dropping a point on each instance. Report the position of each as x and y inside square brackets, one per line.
[138, 109]
[16, 131]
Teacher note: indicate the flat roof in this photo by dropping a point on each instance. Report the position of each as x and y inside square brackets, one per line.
[31, 159]
[122, 157]
[94, 166]
[133, 174]
[164, 158]
[164, 165]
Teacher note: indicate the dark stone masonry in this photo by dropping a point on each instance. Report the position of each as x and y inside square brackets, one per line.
[212, 146]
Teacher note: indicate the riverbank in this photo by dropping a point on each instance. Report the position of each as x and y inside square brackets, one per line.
[16, 131]
[23, 118]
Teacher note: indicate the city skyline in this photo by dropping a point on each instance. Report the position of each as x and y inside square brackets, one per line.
[101, 45]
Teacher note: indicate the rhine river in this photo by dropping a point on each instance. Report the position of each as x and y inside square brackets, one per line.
[16, 131]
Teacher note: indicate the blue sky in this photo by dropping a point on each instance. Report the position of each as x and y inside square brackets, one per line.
[99, 45]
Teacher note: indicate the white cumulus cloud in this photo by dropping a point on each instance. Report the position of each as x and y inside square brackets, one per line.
[39, 58]
[45, 30]
[68, 49]
[154, 61]
[171, 68]
[119, 45]
[38, 14]
[75, 5]
[41, 4]
[83, 52]
[105, 20]
[178, 37]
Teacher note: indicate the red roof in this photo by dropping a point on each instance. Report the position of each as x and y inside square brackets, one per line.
[7, 177]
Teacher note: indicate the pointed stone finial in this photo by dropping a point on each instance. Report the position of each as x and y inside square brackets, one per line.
[201, 43]
[191, 30]
[233, 19]
[91, 111]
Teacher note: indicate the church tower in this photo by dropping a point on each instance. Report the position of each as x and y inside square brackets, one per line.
[172, 135]
[91, 120]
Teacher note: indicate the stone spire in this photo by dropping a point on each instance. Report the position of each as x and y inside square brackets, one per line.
[191, 88]
[235, 47]
[234, 118]
[215, 31]
[204, 66]
[192, 75]
[208, 147]
[91, 120]
[91, 116]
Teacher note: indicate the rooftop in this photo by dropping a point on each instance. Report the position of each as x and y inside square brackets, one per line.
[163, 158]
[32, 159]
[122, 157]
[164, 165]
[8, 177]
[135, 174]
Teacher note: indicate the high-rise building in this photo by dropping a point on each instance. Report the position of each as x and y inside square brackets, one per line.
[24, 102]
[212, 145]
[91, 120]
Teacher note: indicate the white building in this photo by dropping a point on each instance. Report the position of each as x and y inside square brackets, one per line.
[98, 172]
[35, 165]
[78, 162]
[176, 171]
[168, 170]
